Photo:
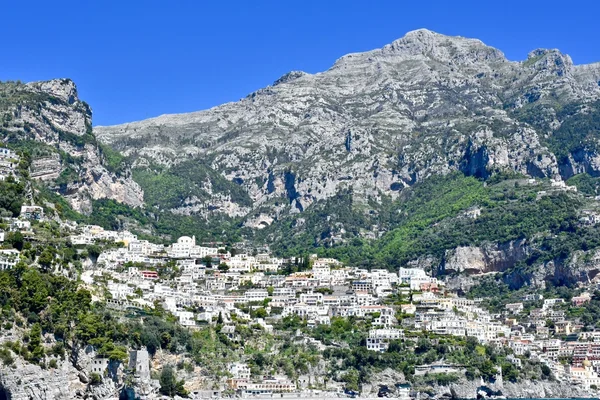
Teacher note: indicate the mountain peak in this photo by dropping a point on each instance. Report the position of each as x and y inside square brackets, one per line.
[551, 60]
[290, 76]
[64, 89]
[421, 32]
[424, 43]
[442, 47]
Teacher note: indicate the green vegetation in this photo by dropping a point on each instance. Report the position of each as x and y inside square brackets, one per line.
[585, 184]
[498, 222]
[341, 330]
[167, 189]
[431, 218]
[169, 385]
[320, 221]
[433, 201]
[95, 378]
[474, 359]
[164, 224]
[51, 304]
[12, 197]
[578, 130]
[114, 161]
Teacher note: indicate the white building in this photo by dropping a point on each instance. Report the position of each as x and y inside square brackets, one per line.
[98, 366]
[305, 311]
[239, 371]
[144, 247]
[242, 263]
[312, 299]
[201, 252]
[549, 303]
[8, 259]
[514, 308]
[119, 291]
[256, 295]
[139, 361]
[186, 318]
[379, 339]
[20, 225]
[585, 375]
[414, 277]
[182, 248]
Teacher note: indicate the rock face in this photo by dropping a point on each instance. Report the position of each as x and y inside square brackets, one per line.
[376, 122]
[57, 127]
[487, 258]
[523, 390]
[69, 380]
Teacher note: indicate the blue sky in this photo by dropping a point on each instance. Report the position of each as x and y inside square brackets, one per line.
[137, 59]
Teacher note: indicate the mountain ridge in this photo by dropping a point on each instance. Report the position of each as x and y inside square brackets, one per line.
[53, 126]
[451, 159]
[376, 121]
[422, 31]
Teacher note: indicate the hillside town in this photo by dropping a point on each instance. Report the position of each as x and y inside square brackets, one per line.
[210, 285]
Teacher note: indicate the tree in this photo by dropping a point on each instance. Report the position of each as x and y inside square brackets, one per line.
[151, 341]
[16, 240]
[94, 251]
[165, 340]
[220, 319]
[351, 378]
[261, 313]
[510, 372]
[45, 259]
[169, 385]
[223, 267]
[423, 346]
[35, 343]
[168, 381]
[95, 378]
[546, 371]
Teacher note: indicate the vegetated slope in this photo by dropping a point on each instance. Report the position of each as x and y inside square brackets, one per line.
[529, 229]
[51, 127]
[454, 120]
[74, 176]
[377, 159]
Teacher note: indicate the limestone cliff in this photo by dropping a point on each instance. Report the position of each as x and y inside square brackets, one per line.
[379, 121]
[487, 258]
[50, 122]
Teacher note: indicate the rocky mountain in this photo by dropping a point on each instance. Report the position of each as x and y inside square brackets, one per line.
[52, 125]
[373, 124]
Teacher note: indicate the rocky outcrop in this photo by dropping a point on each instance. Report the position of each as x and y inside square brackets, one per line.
[375, 122]
[386, 378]
[487, 258]
[25, 381]
[68, 377]
[580, 161]
[64, 150]
[96, 182]
[524, 390]
[472, 262]
[46, 167]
